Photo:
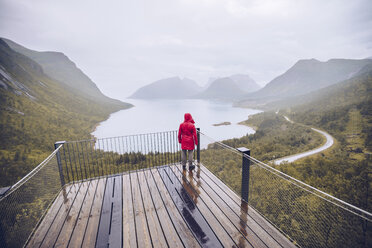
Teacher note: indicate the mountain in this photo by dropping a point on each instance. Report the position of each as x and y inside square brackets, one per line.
[353, 91]
[245, 82]
[307, 76]
[37, 110]
[169, 88]
[209, 82]
[58, 66]
[222, 89]
[229, 88]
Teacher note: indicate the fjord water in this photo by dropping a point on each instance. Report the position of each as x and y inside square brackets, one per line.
[149, 116]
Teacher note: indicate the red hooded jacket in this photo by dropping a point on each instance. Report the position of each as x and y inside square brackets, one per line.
[187, 134]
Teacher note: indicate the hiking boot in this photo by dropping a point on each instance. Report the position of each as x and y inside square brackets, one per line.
[184, 167]
[191, 167]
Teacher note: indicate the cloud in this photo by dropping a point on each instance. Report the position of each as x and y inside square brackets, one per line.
[123, 45]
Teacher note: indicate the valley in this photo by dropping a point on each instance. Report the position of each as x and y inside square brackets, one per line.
[40, 105]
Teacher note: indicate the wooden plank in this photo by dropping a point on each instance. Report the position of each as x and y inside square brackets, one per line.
[169, 229]
[57, 224]
[143, 233]
[156, 232]
[78, 233]
[219, 210]
[116, 229]
[129, 230]
[189, 211]
[71, 218]
[105, 218]
[44, 226]
[253, 232]
[182, 229]
[110, 229]
[234, 201]
[227, 191]
[225, 231]
[90, 235]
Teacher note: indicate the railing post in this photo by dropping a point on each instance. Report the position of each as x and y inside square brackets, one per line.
[198, 146]
[56, 145]
[245, 172]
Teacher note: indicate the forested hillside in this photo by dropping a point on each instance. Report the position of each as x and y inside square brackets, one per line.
[36, 111]
[343, 110]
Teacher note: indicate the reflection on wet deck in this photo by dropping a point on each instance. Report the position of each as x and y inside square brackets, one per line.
[157, 207]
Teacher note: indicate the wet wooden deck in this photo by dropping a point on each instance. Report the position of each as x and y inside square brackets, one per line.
[158, 207]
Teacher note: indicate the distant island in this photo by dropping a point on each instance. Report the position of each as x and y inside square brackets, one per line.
[226, 123]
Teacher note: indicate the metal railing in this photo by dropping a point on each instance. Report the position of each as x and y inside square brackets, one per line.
[24, 204]
[308, 216]
[82, 160]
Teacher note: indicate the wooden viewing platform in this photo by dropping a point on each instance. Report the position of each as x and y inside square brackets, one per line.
[156, 207]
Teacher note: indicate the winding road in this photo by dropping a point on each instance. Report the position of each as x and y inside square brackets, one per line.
[329, 142]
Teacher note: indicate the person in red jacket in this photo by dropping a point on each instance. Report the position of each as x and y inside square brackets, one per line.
[188, 139]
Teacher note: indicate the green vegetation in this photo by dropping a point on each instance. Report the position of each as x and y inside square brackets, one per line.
[345, 113]
[275, 137]
[36, 111]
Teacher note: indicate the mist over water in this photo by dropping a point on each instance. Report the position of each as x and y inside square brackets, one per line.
[149, 116]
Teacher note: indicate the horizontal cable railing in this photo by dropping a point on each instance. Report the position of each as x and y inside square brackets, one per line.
[82, 160]
[311, 217]
[308, 216]
[24, 204]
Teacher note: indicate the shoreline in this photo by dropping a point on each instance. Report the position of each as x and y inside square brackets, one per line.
[95, 126]
[137, 120]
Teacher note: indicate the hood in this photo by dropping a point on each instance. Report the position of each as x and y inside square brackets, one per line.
[188, 118]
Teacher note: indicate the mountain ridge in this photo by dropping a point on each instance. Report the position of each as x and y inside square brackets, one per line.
[226, 88]
[221, 89]
[348, 90]
[58, 66]
[308, 75]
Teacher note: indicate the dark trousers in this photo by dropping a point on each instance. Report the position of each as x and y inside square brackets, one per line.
[187, 154]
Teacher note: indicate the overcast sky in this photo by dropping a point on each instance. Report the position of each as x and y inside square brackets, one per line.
[125, 44]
